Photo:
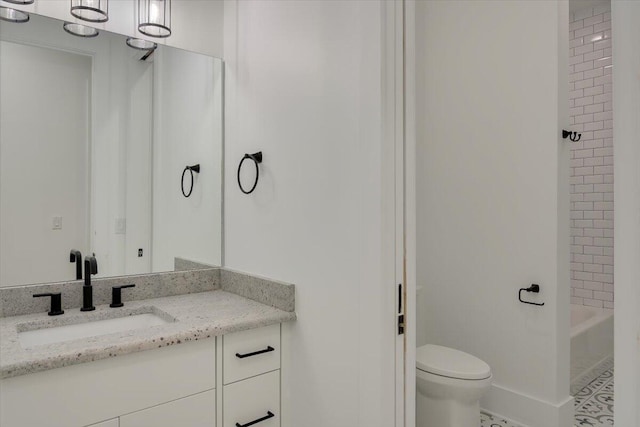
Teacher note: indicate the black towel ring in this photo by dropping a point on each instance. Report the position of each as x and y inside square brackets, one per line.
[191, 169]
[257, 158]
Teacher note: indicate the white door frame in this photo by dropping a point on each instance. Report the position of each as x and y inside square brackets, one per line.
[399, 111]
[409, 232]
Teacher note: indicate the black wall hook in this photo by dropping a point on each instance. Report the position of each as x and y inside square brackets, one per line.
[191, 169]
[256, 158]
[533, 288]
[573, 136]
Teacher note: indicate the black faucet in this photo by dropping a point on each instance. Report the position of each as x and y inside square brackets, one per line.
[76, 256]
[90, 267]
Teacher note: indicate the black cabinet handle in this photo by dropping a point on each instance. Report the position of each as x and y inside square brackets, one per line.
[259, 420]
[255, 353]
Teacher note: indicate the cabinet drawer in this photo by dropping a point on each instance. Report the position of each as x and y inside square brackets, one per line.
[250, 353]
[194, 411]
[251, 400]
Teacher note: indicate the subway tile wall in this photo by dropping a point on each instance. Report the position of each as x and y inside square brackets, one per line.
[591, 113]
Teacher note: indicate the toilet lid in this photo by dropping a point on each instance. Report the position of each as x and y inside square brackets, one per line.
[451, 363]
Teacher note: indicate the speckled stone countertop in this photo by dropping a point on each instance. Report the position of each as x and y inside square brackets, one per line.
[192, 316]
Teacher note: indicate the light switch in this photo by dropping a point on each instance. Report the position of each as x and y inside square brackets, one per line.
[121, 226]
[56, 224]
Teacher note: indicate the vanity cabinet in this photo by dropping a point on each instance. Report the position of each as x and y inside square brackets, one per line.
[251, 377]
[179, 385]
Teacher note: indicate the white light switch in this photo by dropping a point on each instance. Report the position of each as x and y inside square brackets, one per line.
[56, 224]
[121, 226]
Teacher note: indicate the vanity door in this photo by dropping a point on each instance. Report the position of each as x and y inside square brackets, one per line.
[109, 423]
[198, 410]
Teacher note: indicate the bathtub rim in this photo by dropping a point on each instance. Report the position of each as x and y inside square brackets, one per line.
[602, 314]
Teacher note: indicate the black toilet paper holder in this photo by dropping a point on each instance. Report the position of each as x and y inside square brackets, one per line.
[533, 288]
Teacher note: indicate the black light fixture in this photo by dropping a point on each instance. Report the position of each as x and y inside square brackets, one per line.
[154, 18]
[90, 10]
[80, 30]
[13, 15]
[19, 1]
[141, 44]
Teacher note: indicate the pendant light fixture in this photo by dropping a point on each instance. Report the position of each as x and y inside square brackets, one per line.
[19, 1]
[80, 30]
[90, 10]
[154, 17]
[141, 44]
[13, 15]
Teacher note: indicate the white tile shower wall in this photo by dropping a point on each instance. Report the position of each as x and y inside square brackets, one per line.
[591, 113]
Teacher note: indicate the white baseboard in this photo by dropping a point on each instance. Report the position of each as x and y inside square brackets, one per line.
[528, 410]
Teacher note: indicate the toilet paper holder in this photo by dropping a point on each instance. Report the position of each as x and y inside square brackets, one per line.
[533, 288]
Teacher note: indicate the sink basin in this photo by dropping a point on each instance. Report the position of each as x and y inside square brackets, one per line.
[86, 329]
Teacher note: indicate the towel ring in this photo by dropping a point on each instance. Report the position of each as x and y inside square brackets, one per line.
[191, 169]
[257, 158]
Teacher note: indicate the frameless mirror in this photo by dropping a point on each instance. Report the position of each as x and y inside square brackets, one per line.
[96, 138]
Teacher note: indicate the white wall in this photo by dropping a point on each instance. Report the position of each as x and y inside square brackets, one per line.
[43, 168]
[492, 196]
[196, 24]
[187, 131]
[625, 16]
[303, 84]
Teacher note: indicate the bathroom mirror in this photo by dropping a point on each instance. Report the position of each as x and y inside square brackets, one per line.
[94, 138]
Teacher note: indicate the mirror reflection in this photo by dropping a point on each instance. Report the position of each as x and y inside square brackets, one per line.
[95, 135]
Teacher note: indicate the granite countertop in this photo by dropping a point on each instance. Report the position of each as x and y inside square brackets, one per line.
[197, 316]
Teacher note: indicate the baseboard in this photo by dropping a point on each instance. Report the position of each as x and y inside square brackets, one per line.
[527, 410]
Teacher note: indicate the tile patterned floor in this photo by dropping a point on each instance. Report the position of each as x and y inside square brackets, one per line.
[594, 403]
[488, 420]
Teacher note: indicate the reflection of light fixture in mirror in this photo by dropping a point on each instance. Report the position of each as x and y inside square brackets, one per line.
[90, 10]
[19, 1]
[79, 30]
[12, 15]
[141, 44]
[154, 17]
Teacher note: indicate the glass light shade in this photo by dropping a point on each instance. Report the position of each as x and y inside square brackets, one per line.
[90, 10]
[154, 17]
[19, 1]
[141, 44]
[80, 30]
[13, 15]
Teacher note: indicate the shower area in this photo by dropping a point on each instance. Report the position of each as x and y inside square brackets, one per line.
[592, 208]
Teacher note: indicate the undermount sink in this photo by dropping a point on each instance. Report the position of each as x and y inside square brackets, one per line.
[88, 328]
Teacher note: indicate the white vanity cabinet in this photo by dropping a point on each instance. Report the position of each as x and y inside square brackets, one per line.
[251, 378]
[228, 381]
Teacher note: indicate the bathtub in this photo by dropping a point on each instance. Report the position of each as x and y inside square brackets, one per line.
[591, 344]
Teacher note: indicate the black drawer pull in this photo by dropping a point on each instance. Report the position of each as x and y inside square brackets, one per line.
[259, 420]
[255, 353]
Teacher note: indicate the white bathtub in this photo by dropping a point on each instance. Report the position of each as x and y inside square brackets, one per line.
[591, 344]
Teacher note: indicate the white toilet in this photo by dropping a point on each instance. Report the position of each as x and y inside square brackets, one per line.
[450, 384]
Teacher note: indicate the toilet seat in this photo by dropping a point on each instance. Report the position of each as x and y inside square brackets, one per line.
[451, 363]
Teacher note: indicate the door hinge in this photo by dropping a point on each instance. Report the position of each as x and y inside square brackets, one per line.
[401, 324]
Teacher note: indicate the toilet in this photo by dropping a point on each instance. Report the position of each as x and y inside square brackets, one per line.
[449, 385]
